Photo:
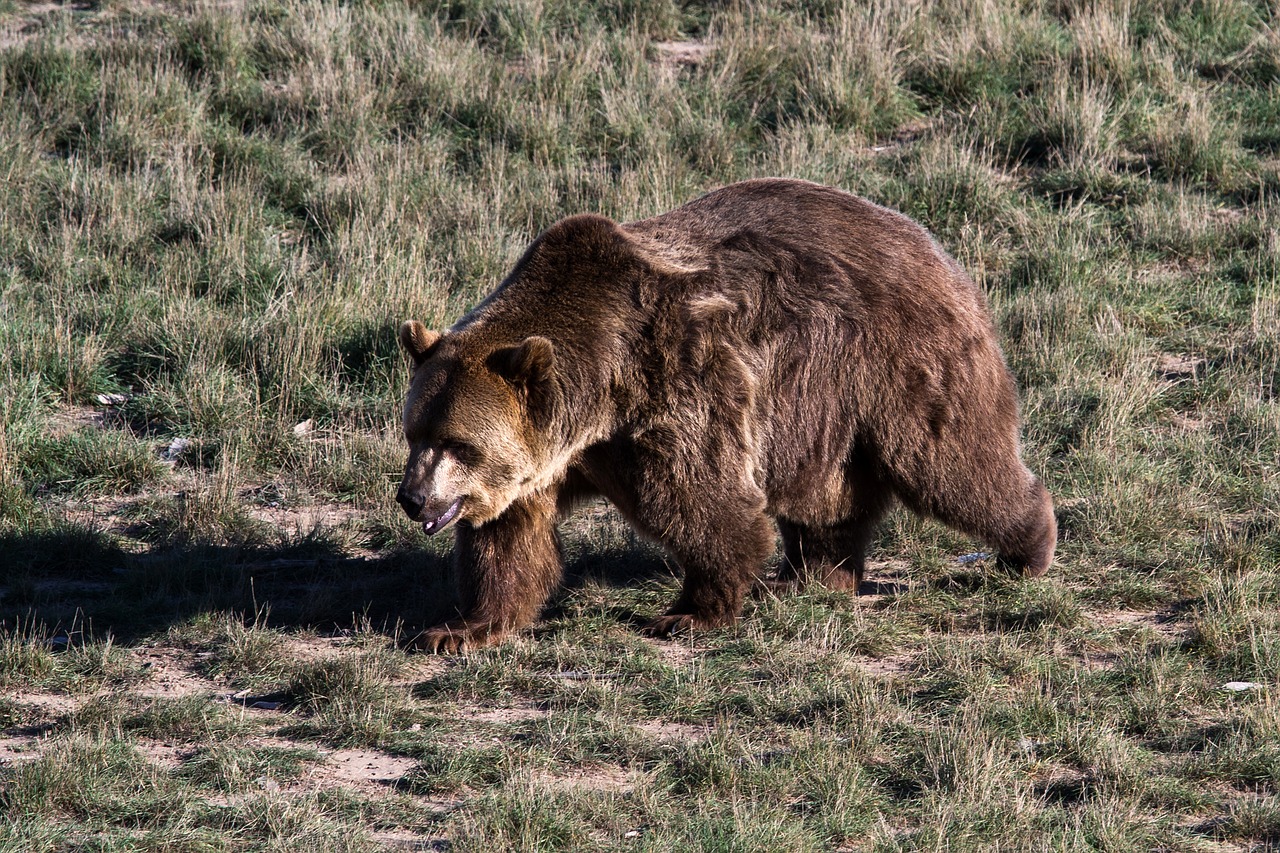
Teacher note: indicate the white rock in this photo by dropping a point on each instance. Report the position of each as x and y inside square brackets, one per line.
[1240, 686]
[176, 448]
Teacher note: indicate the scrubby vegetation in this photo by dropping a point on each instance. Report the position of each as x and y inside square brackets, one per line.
[212, 219]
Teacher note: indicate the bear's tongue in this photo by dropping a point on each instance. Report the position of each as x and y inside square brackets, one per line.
[440, 522]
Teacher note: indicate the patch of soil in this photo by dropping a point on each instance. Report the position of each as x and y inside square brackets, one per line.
[168, 677]
[507, 716]
[676, 653]
[1186, 422]
[19, 750]
[166, 756]
[905, 135]
[361, 767]
[1129, 622]
[51, 705]
[304, 519]
[683, 54]
[893, 666]
[312, 649]
[1119, 619]
[605, 778]
[1179, 368]
[664, 731]
[1179, 268]
[884, 578]
[402, 839]
[75, 418]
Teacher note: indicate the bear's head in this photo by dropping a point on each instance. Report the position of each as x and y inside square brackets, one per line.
[475, 423]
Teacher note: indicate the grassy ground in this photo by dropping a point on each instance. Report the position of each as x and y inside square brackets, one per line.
[214, 215]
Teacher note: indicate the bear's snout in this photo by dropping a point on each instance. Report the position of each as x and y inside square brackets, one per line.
[412, 504]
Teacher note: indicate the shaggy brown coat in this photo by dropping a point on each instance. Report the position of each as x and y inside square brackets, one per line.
[775, 351]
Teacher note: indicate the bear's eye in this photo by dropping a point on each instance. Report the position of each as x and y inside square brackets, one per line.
[467, 454]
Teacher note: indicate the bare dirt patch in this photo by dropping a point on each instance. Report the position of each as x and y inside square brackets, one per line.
[1188, 422]
[306, 519]
[1128, 623]
[164, 755]
[676, 653]
[665, 731]
[905, 135]
[603, 778]
[893, 666]
[683, 54]
[399, 839]
[32, 18]
[168, 677]
[884, 578]
[18, 750]
[362, 767]
[309, 649]
[1120, 619]
[75, 418]
[1179, 367]
[507, 716]
[49, 704]
[1171, 268]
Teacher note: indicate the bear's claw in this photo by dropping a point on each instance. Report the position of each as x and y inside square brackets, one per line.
[680, 623]
[454, 638]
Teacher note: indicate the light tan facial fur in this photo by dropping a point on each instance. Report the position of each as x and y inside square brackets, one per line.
[466, 421]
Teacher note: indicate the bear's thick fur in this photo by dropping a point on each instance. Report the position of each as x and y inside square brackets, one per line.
[775, 351]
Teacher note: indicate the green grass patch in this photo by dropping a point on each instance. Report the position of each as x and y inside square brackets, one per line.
[214, 220]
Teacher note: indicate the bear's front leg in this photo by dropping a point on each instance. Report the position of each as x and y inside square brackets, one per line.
[456, 637]
[505, 569]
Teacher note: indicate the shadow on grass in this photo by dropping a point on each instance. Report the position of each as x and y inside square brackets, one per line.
[71, 576]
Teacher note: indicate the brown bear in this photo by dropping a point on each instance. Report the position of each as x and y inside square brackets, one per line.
[774, 350]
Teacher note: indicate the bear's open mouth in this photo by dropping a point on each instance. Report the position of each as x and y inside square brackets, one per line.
[434, 525]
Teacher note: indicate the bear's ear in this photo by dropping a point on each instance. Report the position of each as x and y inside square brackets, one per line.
[417, 340]
[527, 365]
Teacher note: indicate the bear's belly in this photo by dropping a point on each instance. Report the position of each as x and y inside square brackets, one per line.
[810, 500]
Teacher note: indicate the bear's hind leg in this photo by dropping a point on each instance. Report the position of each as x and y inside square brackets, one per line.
[832, 555]
[1002, 503]
[1027, 545]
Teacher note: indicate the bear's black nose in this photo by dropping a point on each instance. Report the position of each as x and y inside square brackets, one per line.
[412, 505]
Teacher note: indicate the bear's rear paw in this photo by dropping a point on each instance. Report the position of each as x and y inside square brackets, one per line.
[455, 638]
[1026, 570]
[681, 623]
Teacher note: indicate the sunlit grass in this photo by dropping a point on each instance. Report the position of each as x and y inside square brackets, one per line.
[213, 219]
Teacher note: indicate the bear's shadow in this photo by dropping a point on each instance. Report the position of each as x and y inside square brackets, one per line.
[71, 580]
[81, 582]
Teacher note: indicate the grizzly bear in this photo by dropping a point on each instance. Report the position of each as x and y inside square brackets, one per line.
[773, 351]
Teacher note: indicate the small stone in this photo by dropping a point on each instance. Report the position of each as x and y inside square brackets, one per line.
[112, 399]
[1241, 686]
[302, 428]
[176, 448]
[267, 706]
[975, 557]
